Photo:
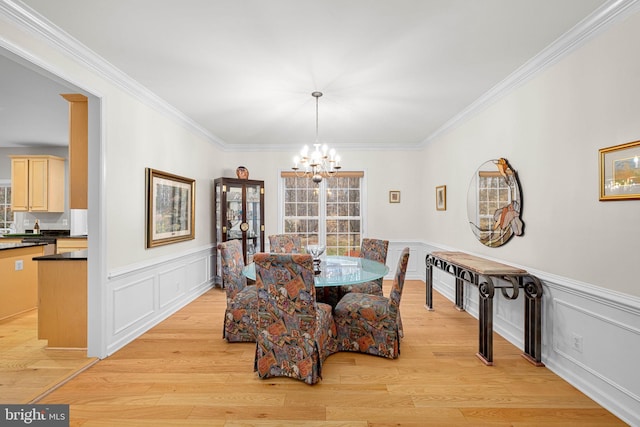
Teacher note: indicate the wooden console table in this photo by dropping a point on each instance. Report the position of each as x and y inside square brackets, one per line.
[481, 273]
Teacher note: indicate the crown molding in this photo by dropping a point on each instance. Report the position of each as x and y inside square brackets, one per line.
[601, 19]
[598, 21]
[29, 20]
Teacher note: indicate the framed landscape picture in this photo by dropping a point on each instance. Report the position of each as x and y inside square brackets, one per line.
[620, 172]
[170, 208]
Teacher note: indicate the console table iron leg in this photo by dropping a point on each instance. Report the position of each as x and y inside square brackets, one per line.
[485, 338]
[533, 321]
[459, 294]
[429, 282]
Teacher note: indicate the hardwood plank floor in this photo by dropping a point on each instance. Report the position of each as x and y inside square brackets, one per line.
[183, 373]
[27, 367]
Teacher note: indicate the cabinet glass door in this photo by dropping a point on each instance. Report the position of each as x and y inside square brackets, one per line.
[234, 212]
[253, 221]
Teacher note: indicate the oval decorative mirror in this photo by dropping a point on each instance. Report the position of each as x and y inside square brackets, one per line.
[494, 203]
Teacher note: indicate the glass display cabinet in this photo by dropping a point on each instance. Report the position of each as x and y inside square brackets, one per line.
[238, 214]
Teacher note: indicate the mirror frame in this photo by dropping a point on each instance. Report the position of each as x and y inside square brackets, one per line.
[495, 215]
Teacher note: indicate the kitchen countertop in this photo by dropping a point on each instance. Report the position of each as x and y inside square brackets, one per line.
[66, 256]
[5, 246]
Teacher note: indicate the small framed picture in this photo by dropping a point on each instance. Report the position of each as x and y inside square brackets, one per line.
[620, 172]
[441, 198]
[394, 196]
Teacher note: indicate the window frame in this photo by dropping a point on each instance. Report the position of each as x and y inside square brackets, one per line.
[322, 199]
[6, 183]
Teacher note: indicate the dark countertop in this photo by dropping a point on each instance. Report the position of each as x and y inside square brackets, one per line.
[66, 256]
[5, 246]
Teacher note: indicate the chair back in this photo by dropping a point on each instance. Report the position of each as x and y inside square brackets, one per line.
[286, 291]
[398, 282]
[232, 265]
[285, 244]
[374, 249]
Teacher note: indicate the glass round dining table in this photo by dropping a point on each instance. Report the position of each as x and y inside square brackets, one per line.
[338, 270]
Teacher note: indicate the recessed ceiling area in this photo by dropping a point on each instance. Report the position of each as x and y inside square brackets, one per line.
[392, 73]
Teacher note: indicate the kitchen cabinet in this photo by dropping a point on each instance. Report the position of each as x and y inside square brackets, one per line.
[37, 183]
[239, 214]
[71, 244]
[62, 300]
[19, 283]
[78, 150]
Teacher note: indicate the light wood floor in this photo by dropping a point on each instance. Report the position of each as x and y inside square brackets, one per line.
[182, 373]
[27, 367]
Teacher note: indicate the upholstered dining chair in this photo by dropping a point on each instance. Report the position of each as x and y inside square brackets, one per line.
[369, 323]
[295, 333]
[375, 250]
[241, 314]
[285, 244]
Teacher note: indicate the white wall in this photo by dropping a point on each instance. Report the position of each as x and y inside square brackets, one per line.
[550, 130]
[585, 251]
[384, 171]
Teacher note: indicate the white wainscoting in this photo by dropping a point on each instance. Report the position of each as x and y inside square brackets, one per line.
[590, 338]
[417, 255]
[139, 297]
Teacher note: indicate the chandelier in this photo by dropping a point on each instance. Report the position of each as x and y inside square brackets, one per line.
[322, 162]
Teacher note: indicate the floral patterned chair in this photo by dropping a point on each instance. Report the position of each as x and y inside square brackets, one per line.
[285, 244]
[369, 323]
[376, 250]
[241, 315]
[295, 333]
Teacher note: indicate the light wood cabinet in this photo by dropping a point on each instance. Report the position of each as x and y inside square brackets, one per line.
[62, 303]
[78, 150]
[18, 286]
[70, 245]
[37, 184]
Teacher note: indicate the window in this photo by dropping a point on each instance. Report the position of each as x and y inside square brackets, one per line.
[493, 193]
[329, 213]
[6, 214]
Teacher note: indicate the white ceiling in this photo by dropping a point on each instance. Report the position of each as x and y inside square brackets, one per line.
[392, 72]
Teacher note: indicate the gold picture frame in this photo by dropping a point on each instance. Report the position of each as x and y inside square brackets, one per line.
[170, 208]
[441, 198]
[394, 196]
[620, 172]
